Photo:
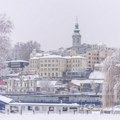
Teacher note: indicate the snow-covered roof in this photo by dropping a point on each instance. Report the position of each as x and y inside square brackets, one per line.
[5, 99]
[78, 82]
[52, 56]
[28, 77]
[17, 61]
[34, 58]
[99, 65]
[45, 104]
[59, 56]
[97, 75]
[46, 82]
[101, 44]
[59, 86]
[118, 65]
[52, 83]
[13, 75]
[76, 57]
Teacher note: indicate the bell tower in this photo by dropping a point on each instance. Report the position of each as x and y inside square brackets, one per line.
[76, 37]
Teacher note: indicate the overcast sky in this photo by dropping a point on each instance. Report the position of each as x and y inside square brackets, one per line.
[51, 22]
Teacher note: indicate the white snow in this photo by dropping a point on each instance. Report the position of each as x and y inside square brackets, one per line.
[78, 82]
[97, 75]
[44, 104]
[78, 56]
[101, 44]
[35, 58]
[118, 65]
[58, 56]
[112, 80]
[5, 99]
[38, 116]
[17, 61]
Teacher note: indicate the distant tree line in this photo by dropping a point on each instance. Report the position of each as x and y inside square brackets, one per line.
[22, 51]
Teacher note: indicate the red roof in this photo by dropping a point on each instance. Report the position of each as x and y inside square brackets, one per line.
[2, 82]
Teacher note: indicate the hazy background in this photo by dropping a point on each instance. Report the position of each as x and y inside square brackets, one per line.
[51, 22]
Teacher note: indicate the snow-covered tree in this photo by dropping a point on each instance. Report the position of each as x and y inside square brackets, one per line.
[5, 30]
[22, 50]
[112, 73]
[44, 86]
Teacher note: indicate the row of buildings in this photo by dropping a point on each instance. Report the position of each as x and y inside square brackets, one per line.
[71, 62]
[60, 66]
[76, 61]
[24, 84]
[55, 65]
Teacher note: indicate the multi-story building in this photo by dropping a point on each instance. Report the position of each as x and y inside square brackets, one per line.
[55, 65]
[21, 85]
[92, 58]
[105, 53]
[51, 66]
[97, 56]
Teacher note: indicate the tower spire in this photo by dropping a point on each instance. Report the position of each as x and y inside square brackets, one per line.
[76, 30]
[76, 19]
[76, 36]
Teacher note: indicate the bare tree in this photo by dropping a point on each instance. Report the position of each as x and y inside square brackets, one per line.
[5, 30]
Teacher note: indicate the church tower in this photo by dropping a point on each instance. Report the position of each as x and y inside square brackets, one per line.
[76, 37]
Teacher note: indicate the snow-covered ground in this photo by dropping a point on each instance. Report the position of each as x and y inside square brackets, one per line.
[30, 116]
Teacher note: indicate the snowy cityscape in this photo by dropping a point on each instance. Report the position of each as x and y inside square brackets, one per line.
[58, 63]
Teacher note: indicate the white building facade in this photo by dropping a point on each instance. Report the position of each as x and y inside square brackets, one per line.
[21, 85]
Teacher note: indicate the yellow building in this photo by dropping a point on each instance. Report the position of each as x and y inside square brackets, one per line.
[55, 65]
[94, 56]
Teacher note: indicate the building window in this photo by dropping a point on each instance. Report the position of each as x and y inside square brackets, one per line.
[49, 65]
[48, 69]
[45, 69]
[45, 65]
[52, 74]
[45, 74]
[56, 74]
[31, 84]
[48, 74]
